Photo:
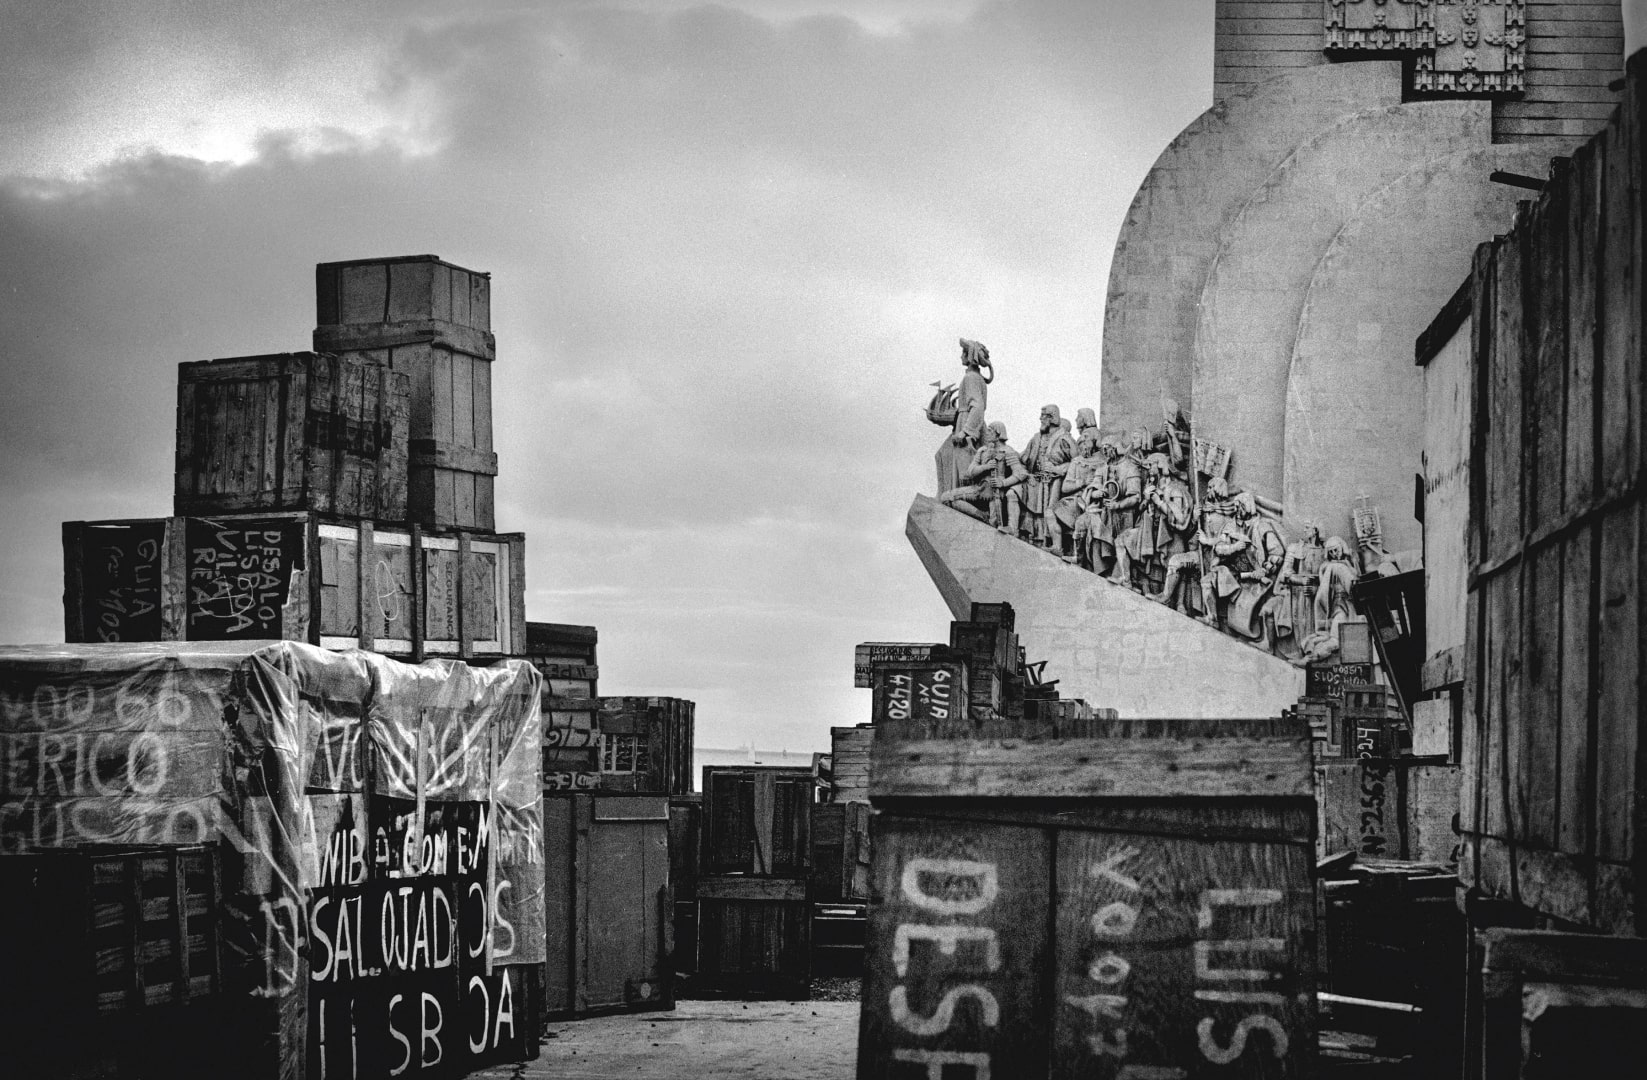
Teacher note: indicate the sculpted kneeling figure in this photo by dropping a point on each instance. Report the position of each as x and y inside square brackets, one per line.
[990, 489]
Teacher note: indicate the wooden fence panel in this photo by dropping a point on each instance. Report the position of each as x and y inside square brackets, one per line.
[1553, 756]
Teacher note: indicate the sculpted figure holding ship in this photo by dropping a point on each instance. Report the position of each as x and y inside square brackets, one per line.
[962, 410]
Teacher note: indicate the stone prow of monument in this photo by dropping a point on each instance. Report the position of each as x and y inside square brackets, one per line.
[1103, 642]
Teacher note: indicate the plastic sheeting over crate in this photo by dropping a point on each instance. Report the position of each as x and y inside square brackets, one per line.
[381, 824]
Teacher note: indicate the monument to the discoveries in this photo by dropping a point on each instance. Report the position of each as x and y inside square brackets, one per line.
[1273, 272]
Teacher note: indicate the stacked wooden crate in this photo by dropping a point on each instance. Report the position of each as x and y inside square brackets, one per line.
[432, 322]
[645, 744]
[609, 903]
[314, 491]
[404, 591]
[610, 853]
[341, 498]
[565, 655]
[849, 762]
[754, 908]
[1136, 900]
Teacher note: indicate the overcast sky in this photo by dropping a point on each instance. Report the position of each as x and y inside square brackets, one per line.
[731, 246]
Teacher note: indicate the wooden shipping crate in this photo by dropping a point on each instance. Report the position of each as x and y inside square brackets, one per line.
[430, 321]
[1553, 730]
[112, 959]
[840, 852]
[849, 762]
[754, 937]
[1391, 931]
[121, 930]
[295, 431]
[295, 577]
[1558, 1004]
[1139, 902]
[565, 655]
[645, 744]
[561, 643]
[757, 820]
[1389, 808]
[571, 743]
[610, 903]
[685, 832]
[406, 288]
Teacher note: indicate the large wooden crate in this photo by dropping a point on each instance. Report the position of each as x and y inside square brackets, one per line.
[1553, 747]
[754, 904]
[1136, 903]
[1389, 808]
[610, 905]
[401, 289]
[849, 762]
[565, 655]
[754, 937]
[295, 431]
[757, 820]
[430, 321]
[295, 577]
[840, 852]
[105, 943]
[645, 744]
[1555, 1005]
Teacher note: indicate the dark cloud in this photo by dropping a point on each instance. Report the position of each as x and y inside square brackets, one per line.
[730, 247]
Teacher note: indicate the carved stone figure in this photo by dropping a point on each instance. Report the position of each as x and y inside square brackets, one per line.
[1046, 457]
[1165, 521]
[1290, 614]
[1174, 439]
[1094, 553]
[1114, 508]
[1332, 601]
[1086, 422]
[991, 488]
[1085, 473]
[1265, 555]
[955, 455]
[1215, 511]
[1229, 561]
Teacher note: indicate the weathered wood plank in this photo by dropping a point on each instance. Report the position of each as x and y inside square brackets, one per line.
[463, 398]
[1503, 416]
[1545, 336]
[751, 888]
[441, 382]
[1574, 788]
[1165, 948]
[1484, 276]
[1236, 766]
[1618, 371]
[1618, 705]
[1490, 765]
[1538, 772]
[1583, 250]
[483, 404]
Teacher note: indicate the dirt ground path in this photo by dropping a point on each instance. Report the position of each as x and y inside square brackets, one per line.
[701, 1040]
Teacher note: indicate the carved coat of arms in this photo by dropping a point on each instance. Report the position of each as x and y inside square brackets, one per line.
[1458, 46]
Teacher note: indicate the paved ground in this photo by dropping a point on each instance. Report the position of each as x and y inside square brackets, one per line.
[701, 1040]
